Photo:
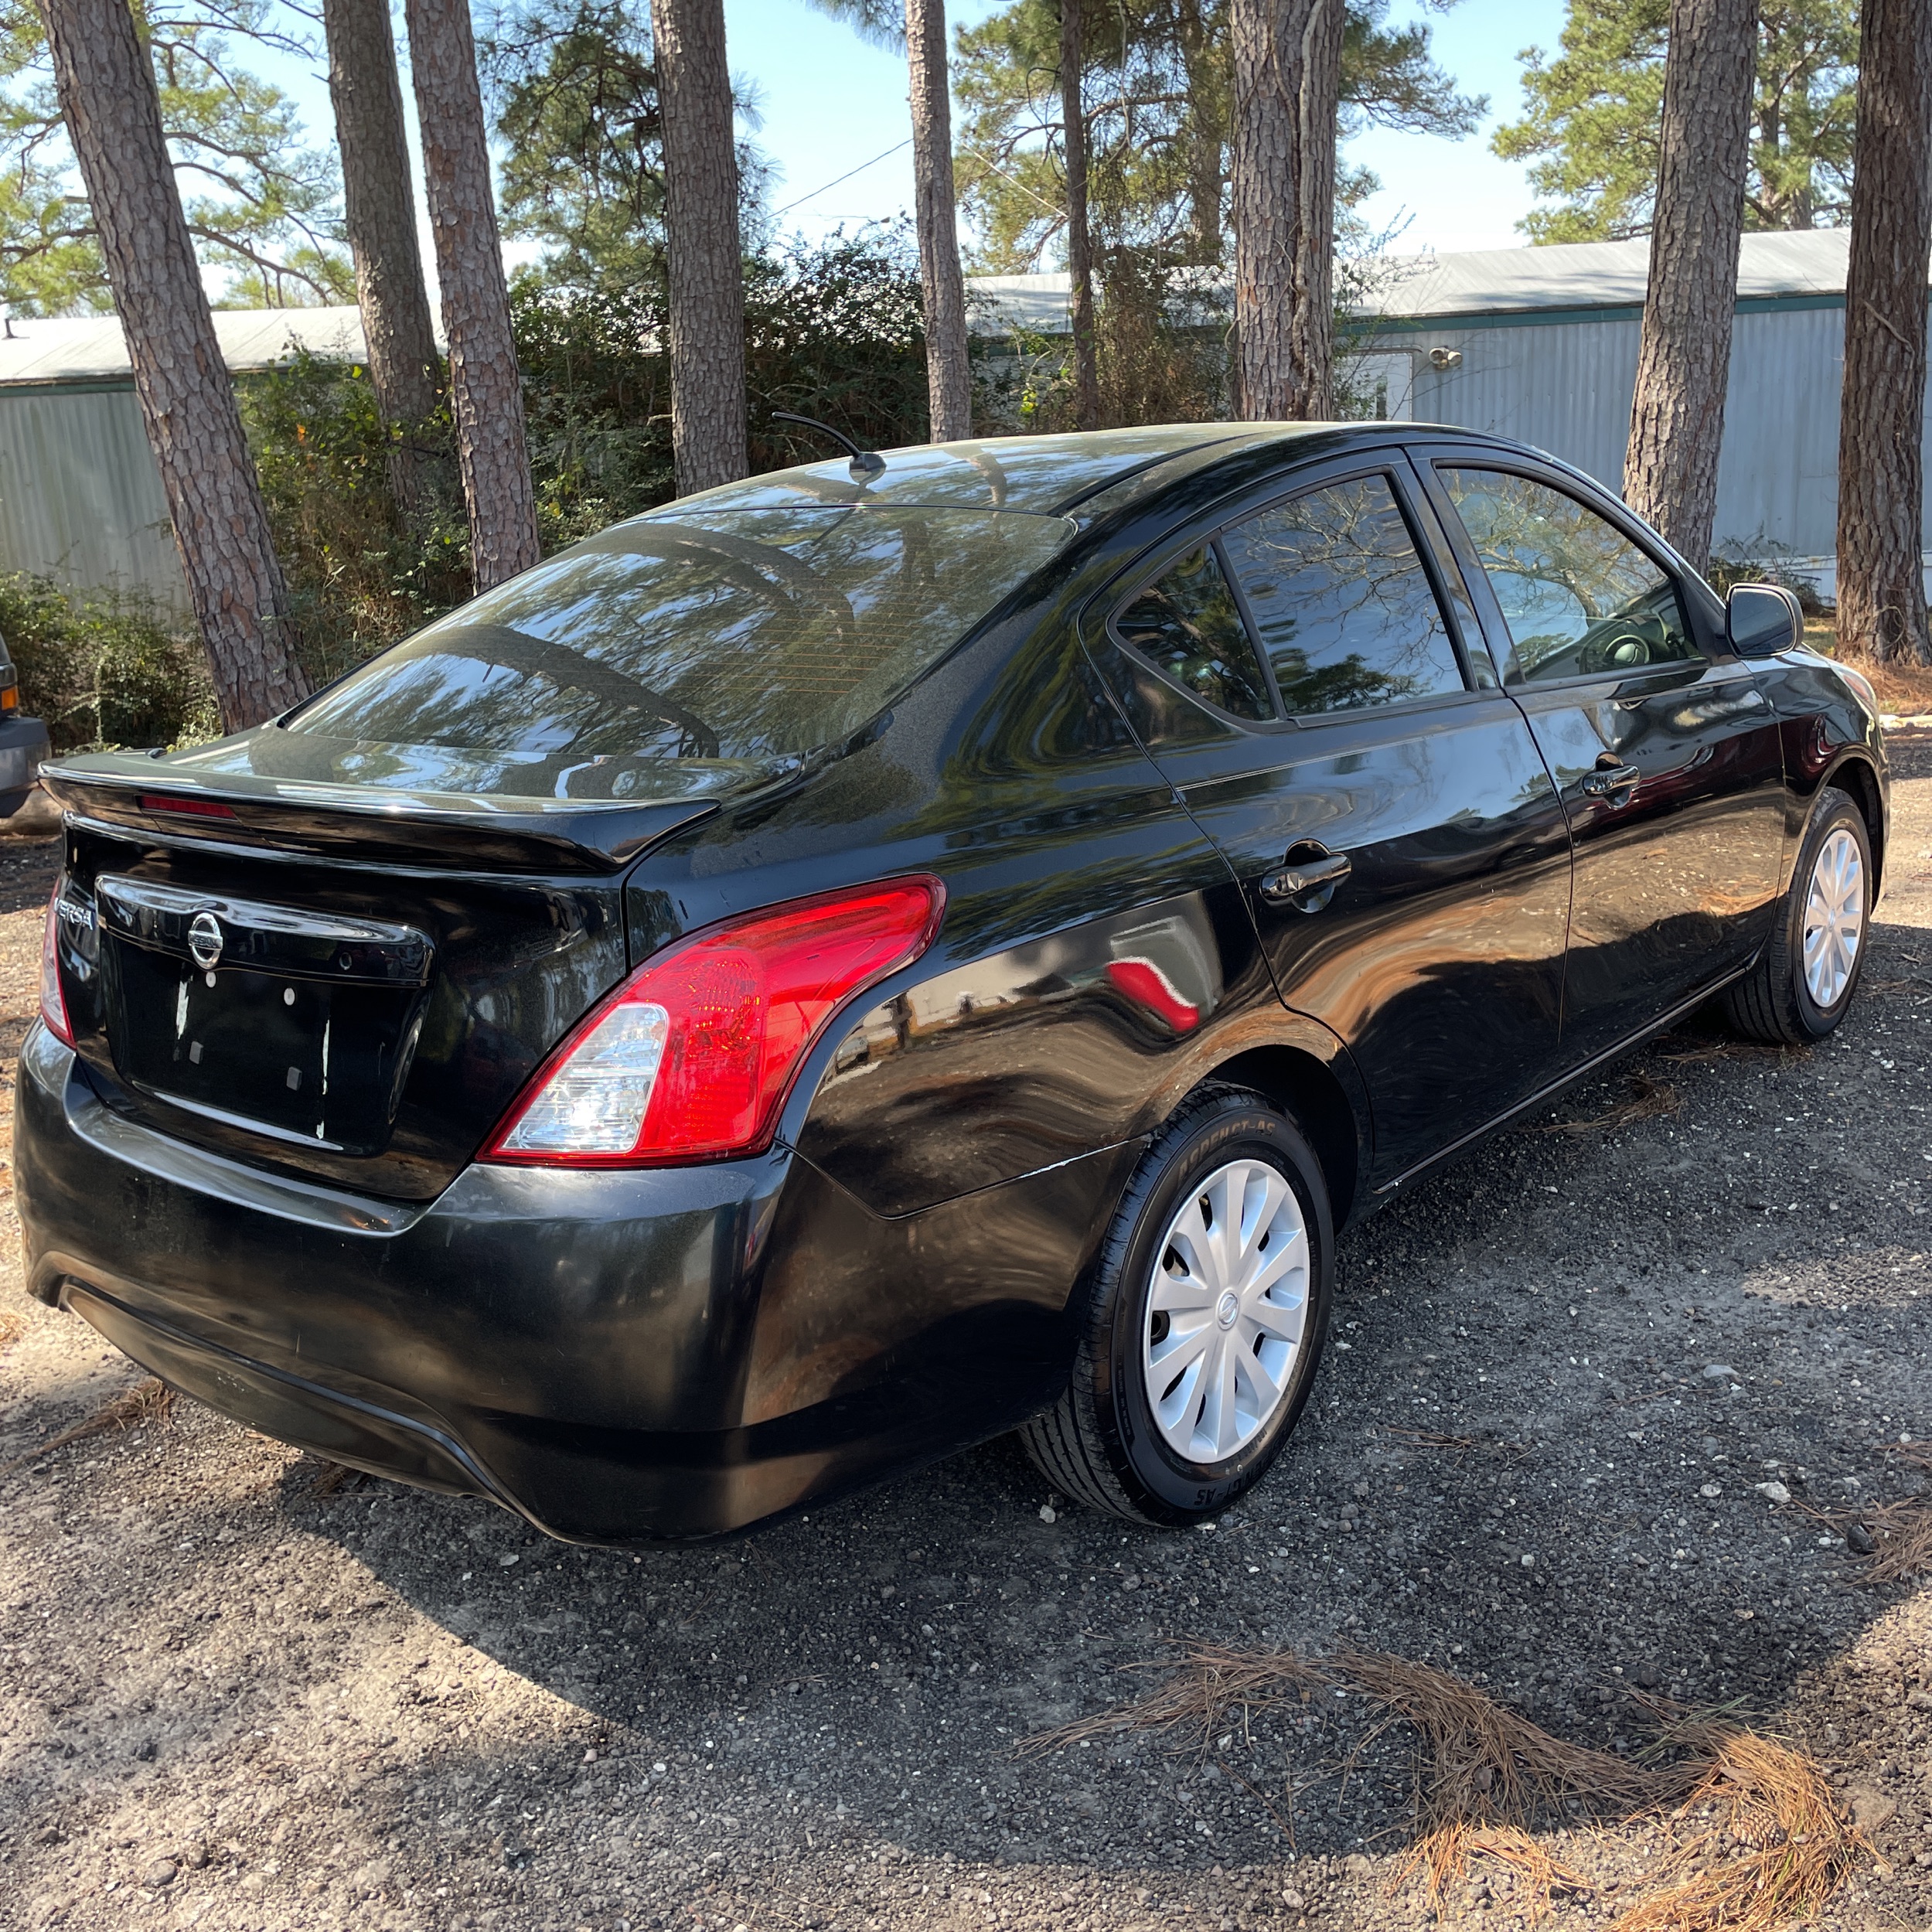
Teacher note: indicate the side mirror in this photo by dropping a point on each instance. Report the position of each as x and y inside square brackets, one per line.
[1763, 619]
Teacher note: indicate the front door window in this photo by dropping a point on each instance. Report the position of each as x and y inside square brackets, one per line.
[1580, 599]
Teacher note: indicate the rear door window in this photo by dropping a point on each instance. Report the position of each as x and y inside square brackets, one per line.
[1342, 604]
[1581, 600]
[1188, 624]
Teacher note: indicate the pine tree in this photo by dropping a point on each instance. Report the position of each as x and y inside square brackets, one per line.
[705, 256]
[1881, 574]
[380, 217]
[1683, 363]
[107, 95]
[1593, 111]
[485, 390]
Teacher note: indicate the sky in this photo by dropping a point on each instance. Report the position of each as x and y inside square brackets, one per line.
[831, 104]
[834, 122]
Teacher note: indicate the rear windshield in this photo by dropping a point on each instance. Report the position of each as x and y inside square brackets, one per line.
[741, 633]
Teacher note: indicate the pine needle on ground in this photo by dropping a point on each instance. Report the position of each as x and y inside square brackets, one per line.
[1768, 1847]
[146, 1402]
[1649, 1100]
[1773, 1848]
[1900, 1532]
[13, 1325]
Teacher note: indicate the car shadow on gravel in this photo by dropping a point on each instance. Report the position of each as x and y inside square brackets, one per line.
[1581, 1391]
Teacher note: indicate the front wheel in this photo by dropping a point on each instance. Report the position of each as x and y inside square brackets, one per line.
[1802, 987]
[1205, 1323]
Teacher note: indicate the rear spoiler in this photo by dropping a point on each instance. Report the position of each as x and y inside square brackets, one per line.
[442, 832]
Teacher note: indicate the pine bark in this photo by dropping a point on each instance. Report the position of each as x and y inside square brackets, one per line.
[1881, 580]
[949, 365]
[1311, 346]
[703, 252]
[106, 83]
[1287, 63]
[485, 389]
[1683, 363]
[1073, 136]
[380, 216]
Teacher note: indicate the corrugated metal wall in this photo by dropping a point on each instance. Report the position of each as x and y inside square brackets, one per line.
[1565, 387]
[81, 499]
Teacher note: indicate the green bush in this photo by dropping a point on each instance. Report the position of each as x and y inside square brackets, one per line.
[359, 576]
[105, 671]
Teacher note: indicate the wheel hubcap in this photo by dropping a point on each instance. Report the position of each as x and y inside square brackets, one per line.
[1834, 918]
[1225, 1316]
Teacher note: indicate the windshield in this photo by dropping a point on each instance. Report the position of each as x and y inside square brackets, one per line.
[724, 634]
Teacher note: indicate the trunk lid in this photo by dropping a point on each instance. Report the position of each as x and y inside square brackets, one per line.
[349, 984]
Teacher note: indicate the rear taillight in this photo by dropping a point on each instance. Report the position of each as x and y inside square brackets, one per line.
[691, 1058]
[53, 1008]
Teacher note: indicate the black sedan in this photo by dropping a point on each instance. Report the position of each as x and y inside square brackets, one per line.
[873, 957]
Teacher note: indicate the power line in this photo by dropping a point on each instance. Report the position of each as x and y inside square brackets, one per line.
[847, 176]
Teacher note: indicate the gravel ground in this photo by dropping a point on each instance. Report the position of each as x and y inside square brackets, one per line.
[231, 1697]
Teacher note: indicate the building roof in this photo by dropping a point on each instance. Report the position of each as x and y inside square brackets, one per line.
[92, 347]
[1591, 275]
[1487, 281]
[1595, 275]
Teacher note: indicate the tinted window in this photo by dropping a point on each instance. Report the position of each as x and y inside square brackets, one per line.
[1579, 598]
[1344, 609]
[1190, 626]
[730, 634]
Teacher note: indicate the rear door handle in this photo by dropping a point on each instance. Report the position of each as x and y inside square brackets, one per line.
[1606, 780]
[1298, 884]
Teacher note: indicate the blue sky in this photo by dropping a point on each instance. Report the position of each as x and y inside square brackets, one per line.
[831, 103]
[831, 106]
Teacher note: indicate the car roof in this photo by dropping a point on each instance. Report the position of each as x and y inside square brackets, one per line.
[1046, 475]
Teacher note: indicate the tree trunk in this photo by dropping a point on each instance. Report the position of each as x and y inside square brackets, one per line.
[1882, 606]
[381, 220]
[1683, 361]
[703, 253]
[949, 365]
[1287, 74]
[485, 390]
[1073, 135]
[107, 96]
[1311, 346]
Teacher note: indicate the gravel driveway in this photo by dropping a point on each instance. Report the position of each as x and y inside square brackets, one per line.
[1573, 1377]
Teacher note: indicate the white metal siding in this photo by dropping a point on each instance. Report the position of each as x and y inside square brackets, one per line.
[81, 499]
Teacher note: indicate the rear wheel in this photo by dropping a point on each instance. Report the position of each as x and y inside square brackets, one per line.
[1205, 1323]
[1803, 985]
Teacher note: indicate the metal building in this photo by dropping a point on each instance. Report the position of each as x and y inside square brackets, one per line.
[81, 499]
[1539, 344]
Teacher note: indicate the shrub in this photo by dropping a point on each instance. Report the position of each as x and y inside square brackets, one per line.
[105, 671]
[359, 576]
[1727, 569]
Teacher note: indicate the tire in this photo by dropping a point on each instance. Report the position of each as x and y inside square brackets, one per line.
[1778, 1001]
[1105, 1442]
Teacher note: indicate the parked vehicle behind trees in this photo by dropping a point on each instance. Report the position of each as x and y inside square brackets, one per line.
[852, 962]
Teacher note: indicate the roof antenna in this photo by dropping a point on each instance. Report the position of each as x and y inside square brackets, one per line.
[866, 463]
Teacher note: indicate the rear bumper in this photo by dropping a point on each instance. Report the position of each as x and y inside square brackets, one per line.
[620, 1358]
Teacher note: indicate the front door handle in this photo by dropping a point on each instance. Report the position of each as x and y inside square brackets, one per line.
[1308, 884]
[1607, 780]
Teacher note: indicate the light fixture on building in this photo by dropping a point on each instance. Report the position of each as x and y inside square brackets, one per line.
[1445, 359]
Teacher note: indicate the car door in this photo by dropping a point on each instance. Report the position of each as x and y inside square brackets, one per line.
[1663, 746]
[1400, 844]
